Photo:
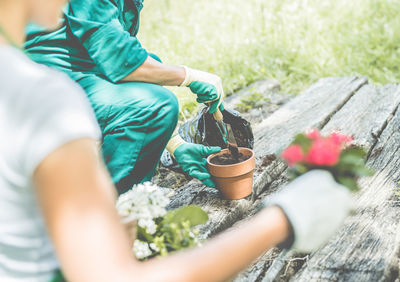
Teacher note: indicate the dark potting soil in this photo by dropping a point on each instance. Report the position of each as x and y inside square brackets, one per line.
[234, 150]
[228, 159]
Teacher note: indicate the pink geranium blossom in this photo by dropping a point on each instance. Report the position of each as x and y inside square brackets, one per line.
[334, 152]
[323, 152]
[293, 154]
[340, 139]
[313, 134]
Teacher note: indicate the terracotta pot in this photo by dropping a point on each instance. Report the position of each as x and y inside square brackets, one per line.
[234, 181]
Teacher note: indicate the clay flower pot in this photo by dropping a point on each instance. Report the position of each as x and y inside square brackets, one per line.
[234, 181]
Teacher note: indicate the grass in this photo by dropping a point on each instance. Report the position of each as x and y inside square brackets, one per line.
[251, 101]
[294, 41]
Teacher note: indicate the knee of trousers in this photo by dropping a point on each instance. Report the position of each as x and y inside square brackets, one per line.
[139, 110]
[156, 110]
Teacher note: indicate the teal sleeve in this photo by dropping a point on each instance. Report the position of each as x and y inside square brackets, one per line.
[114, 50]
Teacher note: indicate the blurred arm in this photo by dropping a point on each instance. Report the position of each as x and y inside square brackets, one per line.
[152, 71]
[77, 200]
[226, 255]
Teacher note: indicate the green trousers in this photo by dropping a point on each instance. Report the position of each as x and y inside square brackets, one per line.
[137, 120]
[58, 277]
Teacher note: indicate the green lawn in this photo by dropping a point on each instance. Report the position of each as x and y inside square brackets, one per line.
[293, 41]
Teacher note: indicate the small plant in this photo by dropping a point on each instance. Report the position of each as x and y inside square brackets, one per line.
[254, 100]
[335, 153]
[159, 232]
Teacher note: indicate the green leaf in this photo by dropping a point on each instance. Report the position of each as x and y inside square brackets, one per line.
[143, 235]
[362, 171]
[352, 154]
[349, 182]
[304, 141]
[194, 215]
[301, 168]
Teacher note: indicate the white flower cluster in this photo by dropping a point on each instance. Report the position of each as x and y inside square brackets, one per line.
[141, 249]
[144, 202]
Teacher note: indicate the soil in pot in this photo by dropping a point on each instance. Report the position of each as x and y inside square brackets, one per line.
[229, 159]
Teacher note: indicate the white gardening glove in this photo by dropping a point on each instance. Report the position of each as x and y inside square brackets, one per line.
[207, 87]
[316, 206]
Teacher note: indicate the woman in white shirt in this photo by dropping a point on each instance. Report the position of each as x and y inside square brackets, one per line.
[57, 200]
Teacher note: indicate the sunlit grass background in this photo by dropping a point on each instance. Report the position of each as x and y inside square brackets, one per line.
[293, 41]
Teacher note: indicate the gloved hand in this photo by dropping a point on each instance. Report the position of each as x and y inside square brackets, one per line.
[192, 158]
[315, 205]
[207, 87]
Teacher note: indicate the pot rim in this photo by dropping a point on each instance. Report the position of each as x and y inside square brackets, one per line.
[230, 165]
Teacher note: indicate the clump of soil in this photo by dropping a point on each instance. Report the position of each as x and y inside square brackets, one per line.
[234, 151]
[228, 159]
[268, 159]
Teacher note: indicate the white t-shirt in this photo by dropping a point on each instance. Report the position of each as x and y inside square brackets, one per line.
[40, 110]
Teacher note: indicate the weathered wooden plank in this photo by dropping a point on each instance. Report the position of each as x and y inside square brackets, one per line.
[266, 96]
[368, 247]
[222, 213]
[311, 109]
[364, 116]
[185, 195]
[257, 270]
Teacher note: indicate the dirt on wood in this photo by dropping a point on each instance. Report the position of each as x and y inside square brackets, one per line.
[268, 159]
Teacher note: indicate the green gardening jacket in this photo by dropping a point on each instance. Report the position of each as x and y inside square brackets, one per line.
[95, 37]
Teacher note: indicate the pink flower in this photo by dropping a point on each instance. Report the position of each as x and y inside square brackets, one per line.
[293, 154]
[313, 134]
[340, 139]
[324, 152]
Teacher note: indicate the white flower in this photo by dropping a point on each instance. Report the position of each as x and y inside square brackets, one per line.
[150, 186]
[149, 225]
[154, 247]
[143, 201]
[141, 249]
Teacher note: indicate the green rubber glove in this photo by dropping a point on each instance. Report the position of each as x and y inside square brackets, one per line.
[207, 87]
[192, 158]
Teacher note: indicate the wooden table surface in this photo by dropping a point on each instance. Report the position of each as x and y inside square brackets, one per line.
[367, 248]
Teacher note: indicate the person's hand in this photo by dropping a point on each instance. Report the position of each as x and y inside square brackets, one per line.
[192, 158]
[316, 206]
[207, 87]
